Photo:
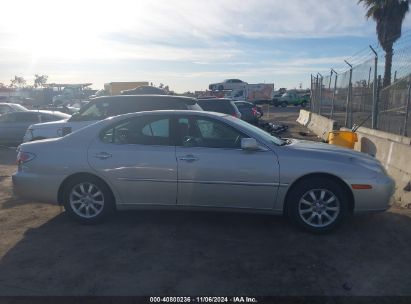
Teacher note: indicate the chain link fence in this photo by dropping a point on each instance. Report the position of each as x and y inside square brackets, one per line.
[349, 95]
[394, 108]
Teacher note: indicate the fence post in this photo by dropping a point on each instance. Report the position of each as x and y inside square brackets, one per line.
[407, 111]
[348, 112]
[315, 93]
[369, 78]
[374, 114]
[333, 98]
[311, 93]
[329, 86]
[320, 103]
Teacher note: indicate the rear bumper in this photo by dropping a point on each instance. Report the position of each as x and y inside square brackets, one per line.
[35, 187]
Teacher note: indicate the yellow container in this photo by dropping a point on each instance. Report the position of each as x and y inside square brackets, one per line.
[342, 138]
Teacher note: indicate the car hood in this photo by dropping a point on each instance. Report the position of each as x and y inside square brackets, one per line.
[327, 150]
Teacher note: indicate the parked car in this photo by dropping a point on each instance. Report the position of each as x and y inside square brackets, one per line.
[199, 160]
[249, 111]
[102, 107]
[291, 98]
[228, 84]
[220, 105]
[14, 125]
[11, 107]
[68, 108]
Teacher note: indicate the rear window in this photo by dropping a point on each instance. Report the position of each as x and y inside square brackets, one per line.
[243, 105]
[216, 106]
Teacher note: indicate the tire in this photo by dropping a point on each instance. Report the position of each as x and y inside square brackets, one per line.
[304, 104]
[284, 104]
[310, 214]
[92, 207]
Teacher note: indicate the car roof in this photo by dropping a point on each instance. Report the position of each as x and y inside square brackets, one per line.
[214, 99]
[173, 112]
[137, 98]
[243, 101]
[10, 103]
[41, 112]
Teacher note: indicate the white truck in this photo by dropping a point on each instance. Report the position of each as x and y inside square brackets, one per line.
[256, 93]
[228, 84]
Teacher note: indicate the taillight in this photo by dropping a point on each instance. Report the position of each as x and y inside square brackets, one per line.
[24, 157]
[255, 112]
[235, 114]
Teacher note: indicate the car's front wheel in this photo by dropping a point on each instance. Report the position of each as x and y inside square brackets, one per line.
[318, 205]
[88, 200]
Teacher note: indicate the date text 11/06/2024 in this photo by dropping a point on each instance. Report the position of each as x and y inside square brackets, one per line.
[240, 299]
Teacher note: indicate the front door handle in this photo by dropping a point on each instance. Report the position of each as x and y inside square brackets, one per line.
[189, 158]
[103, 155]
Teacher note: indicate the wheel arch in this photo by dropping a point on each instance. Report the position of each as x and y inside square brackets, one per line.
[77, 175]
[335, 178]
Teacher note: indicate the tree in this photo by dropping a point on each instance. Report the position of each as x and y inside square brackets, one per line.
[17, 82]
[389, 15]
[40, 80]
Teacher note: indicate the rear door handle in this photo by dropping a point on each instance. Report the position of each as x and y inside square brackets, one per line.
[189, 158]
[103, 155]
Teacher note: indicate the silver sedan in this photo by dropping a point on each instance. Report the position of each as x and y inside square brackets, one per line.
[202, 161]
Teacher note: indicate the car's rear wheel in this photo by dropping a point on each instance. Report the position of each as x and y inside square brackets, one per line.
[284, 104]
[88, 200]
[318, 204]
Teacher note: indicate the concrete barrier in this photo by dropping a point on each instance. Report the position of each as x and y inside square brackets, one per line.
[321, 125]
[394, 152]
[304, 117]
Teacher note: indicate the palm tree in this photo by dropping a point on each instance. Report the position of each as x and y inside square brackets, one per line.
[389, 15]
[17, 82]
[40, 80]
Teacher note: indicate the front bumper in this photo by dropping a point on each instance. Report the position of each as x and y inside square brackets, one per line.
[379, 198]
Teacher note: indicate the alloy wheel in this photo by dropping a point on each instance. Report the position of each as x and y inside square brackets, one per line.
[86, 200]
[319, 207]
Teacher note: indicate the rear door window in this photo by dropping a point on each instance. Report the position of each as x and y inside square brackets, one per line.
[143, 130]
[27, 117]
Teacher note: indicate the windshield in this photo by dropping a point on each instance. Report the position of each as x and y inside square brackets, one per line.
[267, 136]
[18, 107]
[92, 111]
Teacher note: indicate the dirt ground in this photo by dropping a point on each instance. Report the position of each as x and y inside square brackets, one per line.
[42, 252]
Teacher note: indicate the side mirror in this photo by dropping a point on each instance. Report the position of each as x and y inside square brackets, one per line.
[249, 144]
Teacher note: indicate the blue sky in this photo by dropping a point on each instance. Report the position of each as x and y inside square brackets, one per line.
[186, 44]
